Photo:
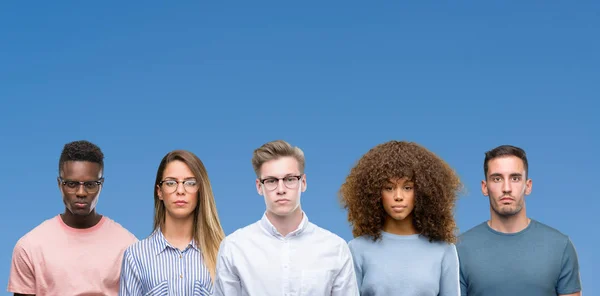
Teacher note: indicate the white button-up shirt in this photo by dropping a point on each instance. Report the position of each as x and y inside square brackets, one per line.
[310, 261]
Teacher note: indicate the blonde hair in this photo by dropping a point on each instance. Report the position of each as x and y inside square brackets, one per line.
[275, 150]
[207, 230]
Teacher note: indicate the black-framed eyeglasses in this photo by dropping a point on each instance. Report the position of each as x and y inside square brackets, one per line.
[291, 182]
[170, 185]
[71, 186]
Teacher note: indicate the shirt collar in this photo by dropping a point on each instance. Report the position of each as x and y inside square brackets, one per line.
[161, 243]
[266, 225]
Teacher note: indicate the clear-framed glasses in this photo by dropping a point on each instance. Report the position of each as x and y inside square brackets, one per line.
[71, 186]
[291, 182]
[170, 185]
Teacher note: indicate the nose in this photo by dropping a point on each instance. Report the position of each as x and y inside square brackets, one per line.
[280, 187]
[506, 187]
[398, 194]
[180, 188]
[80, 191]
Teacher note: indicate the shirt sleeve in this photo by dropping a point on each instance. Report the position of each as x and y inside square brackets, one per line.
[227, 281]
[450, 279]
[463, 278]
[569, 280]
[22, 274]
[345, 282]
[130, 282]
[357, 264]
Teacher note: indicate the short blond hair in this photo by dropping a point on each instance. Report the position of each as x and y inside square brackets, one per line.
[275, 150]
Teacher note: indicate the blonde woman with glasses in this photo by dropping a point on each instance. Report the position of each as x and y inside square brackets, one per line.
[179, 257]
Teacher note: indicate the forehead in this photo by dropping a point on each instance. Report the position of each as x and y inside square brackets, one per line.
[177, 169]
[399, 181]
[280, 167]
[85, 170]
[506, 165]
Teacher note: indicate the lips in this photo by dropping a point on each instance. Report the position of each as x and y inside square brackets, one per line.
[282, 200]
[181, 202]
[398, 208]
[80, 204]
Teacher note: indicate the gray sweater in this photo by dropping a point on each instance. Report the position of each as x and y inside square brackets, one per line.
[405, 265]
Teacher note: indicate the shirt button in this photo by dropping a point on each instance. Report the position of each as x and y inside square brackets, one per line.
[181, 276]
[180, 256]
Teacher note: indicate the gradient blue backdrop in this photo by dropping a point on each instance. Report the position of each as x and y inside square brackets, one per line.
[335, 78]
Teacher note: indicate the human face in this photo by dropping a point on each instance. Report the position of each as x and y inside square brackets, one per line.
[285, 199]
[506, 185]
[78, 200]
[180, 199]
[398, 198]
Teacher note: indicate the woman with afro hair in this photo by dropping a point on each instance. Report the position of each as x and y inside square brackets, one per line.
[400, 199]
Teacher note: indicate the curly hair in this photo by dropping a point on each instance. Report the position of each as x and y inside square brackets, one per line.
[81, 151]
[436, 190]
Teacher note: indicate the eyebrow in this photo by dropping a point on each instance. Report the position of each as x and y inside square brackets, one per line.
[511, 175]
[173, 178]
[286, 175]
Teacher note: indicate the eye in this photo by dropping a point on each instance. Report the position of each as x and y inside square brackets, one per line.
[388, 188]
[408, 188]
[90, 185]
[71, 184]
[496, 179]
[290, 179]
[170, 183]
[270, 181]
[516, 178]
[190, 183]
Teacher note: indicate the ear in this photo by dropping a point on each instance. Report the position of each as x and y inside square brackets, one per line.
[528, 186]
[303, 184]
[159, 192]
[258, 189]
[59, 186]
[484, 188]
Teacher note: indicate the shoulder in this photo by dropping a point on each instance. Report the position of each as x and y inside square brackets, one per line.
[472, 235]
[242, 234]
[118, 232]
[38, 236]
[548, 233]
[547, 230]
[321, 234]
[141, 247]
[360, 243]
[474, 231]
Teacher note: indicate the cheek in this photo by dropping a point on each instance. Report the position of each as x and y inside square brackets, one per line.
[386, 198]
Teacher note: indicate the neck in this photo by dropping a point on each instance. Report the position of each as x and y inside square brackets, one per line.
[509, 224]
[399, 227]
[81, 222]
[178, 232]
[286, 224]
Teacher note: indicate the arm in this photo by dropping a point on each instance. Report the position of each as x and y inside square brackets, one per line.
[130, 283]
[227, 282]
[464, 284]
[357, 262]
[21, 280]
[569, 282]
[345, 283]
[450, 283]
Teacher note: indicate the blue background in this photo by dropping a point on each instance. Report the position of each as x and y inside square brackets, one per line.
[335, 78]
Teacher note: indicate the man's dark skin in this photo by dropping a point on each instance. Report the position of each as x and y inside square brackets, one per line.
[80, 207]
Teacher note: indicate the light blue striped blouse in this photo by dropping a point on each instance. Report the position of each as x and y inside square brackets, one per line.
[153, 267]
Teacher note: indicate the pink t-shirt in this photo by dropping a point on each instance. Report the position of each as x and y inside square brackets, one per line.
[55, 259]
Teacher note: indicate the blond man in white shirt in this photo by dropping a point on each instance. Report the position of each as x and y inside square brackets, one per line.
[283, 253]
